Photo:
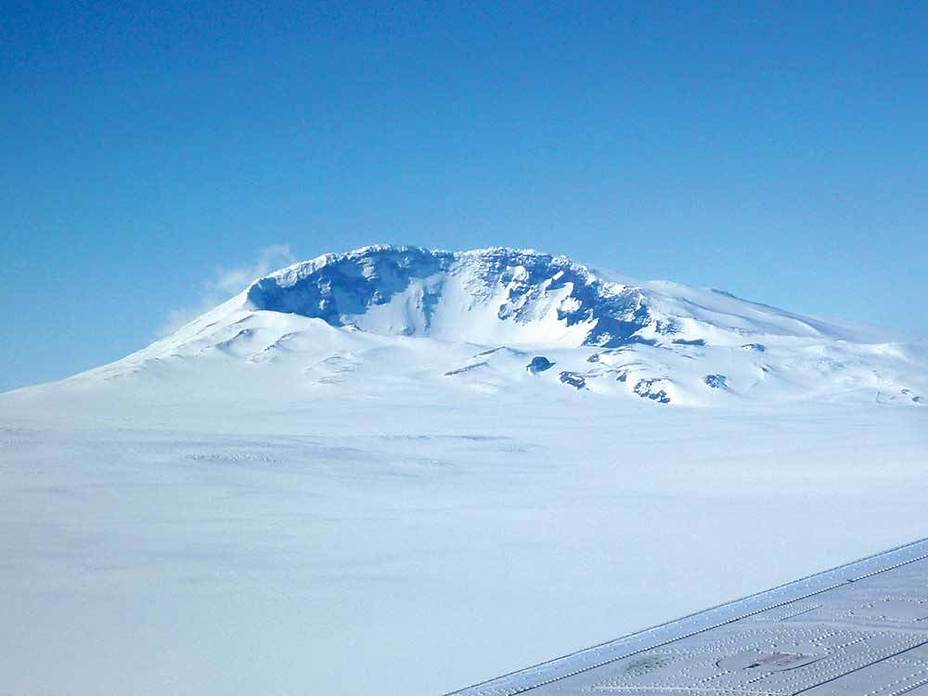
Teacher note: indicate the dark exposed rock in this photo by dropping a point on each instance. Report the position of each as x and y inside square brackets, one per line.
[466, 368]
[539, 364]
[651, 389]
[573, 379]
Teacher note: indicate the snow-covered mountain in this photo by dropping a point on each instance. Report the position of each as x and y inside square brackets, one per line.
[501, 319]
[403, 471]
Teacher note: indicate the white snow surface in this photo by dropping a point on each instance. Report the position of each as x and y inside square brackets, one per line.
[347, 480]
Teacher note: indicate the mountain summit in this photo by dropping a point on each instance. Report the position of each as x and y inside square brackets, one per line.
[498, 295]
[381, 318]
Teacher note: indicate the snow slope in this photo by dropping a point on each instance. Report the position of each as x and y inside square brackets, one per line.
[402, 471]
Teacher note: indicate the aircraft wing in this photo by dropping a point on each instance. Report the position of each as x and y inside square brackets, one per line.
[858, 630]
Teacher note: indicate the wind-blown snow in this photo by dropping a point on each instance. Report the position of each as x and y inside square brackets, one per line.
[402, 471]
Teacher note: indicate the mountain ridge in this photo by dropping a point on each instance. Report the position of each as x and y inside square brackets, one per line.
[366, 320]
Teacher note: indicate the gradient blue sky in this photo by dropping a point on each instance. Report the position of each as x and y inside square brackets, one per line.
[151, 151]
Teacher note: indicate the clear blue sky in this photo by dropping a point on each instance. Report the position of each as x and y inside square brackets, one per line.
[778, 150]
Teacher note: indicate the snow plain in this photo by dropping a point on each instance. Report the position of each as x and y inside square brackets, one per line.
[266, 503]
